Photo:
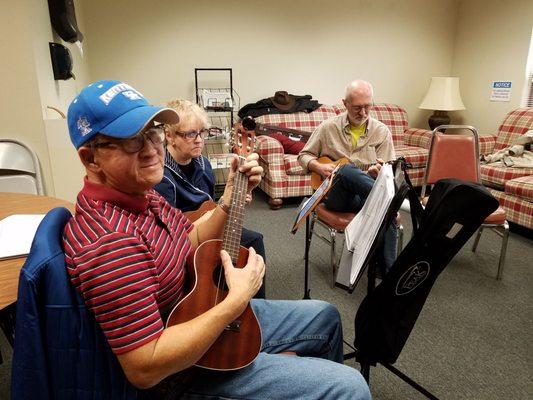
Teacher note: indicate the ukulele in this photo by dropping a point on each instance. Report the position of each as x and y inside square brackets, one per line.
[317, 179]
[240, 342]
[206, 206]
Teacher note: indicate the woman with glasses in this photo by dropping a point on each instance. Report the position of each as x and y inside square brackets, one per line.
[188, 179]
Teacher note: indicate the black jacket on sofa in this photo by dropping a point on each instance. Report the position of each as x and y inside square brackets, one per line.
[266, 106]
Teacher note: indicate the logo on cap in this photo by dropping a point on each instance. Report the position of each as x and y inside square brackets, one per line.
[123, 88]
[84, 127]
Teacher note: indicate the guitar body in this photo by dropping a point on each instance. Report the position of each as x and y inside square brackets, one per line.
[316, 178]
[239, 344]
[205, 207]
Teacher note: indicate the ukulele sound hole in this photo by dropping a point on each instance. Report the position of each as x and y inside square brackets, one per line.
[219, 279]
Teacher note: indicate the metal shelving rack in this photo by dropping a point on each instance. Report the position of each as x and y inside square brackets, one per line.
[224, 101]
[221, 102]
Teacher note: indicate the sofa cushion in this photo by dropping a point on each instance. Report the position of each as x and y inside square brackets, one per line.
[292, 166]
[300, 120]
[516, 123]
[290, 146]
[486, 144]
[415, 137]
[496, 176]
[521, 187]
[416, 156]
[394, 117]
[517, 210]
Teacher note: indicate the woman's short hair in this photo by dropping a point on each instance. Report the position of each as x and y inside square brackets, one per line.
[188, 111]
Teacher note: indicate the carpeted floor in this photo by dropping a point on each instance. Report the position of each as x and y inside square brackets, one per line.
[471, 339]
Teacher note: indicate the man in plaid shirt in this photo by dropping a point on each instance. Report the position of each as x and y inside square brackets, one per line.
[363, 140]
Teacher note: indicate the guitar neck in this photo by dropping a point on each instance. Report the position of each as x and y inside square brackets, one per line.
[232, 231]
[266, 129]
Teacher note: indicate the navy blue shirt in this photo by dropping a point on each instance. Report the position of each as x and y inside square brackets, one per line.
[187, 191]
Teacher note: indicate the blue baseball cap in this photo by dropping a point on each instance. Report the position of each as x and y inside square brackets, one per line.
[114, 109]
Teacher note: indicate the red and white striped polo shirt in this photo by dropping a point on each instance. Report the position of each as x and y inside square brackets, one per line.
[126, 256]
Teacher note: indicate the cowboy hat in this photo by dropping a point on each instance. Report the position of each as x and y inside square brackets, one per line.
[283, 101]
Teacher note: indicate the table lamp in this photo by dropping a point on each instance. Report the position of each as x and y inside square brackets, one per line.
[443, 95]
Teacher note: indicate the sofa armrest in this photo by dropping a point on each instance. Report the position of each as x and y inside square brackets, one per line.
[270, 150]
[486, 144]
[415, 137]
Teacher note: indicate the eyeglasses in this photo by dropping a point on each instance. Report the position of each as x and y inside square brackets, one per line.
[156, 135]
[358, 109]
[192, 135]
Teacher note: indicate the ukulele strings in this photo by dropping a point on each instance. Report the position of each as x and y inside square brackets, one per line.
[239, 185]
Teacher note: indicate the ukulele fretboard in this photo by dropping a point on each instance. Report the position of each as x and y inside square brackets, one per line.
[233, 229]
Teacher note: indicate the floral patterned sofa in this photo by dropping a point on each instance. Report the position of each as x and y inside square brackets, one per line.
[513, 187]
[285, 178]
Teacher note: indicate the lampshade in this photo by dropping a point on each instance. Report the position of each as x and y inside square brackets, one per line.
[443, 94]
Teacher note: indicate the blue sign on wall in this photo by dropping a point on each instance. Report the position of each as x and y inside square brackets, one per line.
[501, 85]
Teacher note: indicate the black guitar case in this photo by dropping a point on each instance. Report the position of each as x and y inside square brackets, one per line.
[454, 211]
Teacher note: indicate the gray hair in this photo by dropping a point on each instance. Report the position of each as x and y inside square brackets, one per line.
[358, 86]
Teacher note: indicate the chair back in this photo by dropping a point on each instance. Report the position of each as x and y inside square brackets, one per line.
[19, 168]
[452, 155]
[59, 347]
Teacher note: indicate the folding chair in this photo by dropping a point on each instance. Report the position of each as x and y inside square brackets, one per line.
[457, 156]
[19, 168]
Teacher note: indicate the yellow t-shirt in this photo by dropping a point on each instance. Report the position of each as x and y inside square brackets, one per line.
[357, 132]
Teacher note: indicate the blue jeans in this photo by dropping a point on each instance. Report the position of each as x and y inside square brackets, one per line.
[254, 239]
[310, 328]
[348, 193]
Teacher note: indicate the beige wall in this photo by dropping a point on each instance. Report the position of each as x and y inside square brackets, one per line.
[20, 109]
[28, 85]
[492, 44]
[302, 46]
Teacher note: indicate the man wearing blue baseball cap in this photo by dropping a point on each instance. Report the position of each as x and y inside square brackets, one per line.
[126, 249]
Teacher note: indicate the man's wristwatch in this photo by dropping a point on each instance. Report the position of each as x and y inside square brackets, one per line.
[223, 205]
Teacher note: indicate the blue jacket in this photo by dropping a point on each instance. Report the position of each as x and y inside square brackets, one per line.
[60, 351]
[183, 193]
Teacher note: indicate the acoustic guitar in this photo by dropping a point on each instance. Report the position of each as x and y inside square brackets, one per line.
[317, 179]
[240, 342]
[267, 129]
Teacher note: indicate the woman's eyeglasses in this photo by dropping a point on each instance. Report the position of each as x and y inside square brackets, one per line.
[203, 133]
[134, 144]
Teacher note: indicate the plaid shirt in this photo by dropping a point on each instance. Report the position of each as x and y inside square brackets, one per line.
[332, 139]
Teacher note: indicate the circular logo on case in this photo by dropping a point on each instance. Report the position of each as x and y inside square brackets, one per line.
[412, 278]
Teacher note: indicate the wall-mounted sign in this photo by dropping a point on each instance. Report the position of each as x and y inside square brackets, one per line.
[501, 91]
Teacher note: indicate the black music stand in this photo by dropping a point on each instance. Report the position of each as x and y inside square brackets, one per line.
[403, 189]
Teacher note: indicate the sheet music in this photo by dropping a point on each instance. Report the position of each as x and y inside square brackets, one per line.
[16, 234]
[363, 229]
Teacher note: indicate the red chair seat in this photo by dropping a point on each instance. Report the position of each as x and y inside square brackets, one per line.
[497, 217]
[334, 219]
